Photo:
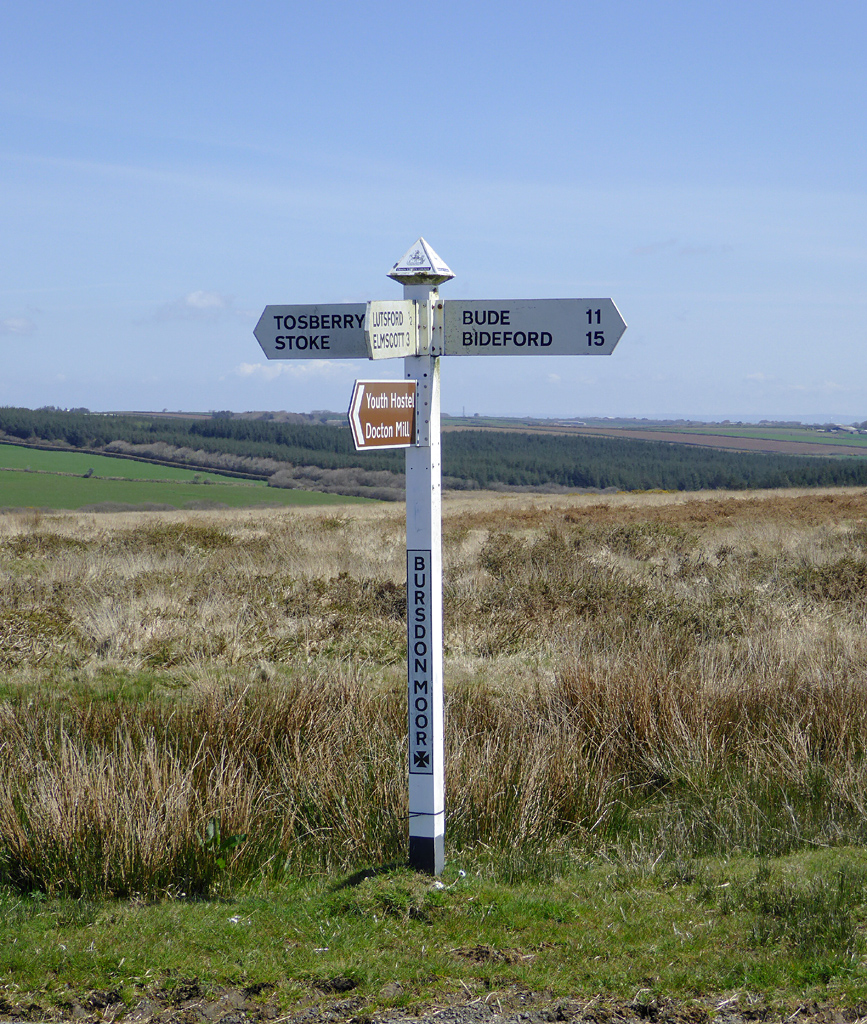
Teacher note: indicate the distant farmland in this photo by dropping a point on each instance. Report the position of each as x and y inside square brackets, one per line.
[105, 466]
[770, 440]
[30, 478]
[623, 455]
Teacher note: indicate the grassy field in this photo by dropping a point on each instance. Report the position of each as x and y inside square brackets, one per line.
[801, 434]
[78, 463]
[656, 776]
[750, 438]
[32, 478]
[616, 428]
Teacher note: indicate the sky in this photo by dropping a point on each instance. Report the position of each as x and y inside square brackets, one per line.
[169, 169]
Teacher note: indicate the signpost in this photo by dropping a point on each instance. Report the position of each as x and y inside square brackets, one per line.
[382, 414]
[313, 332]
[421, 271]
[391, 329]
[532, 327]
[406, 414]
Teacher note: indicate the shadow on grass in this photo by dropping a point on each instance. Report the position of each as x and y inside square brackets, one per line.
[357, 877]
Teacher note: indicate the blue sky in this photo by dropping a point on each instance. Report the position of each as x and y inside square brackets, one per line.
[167, 170]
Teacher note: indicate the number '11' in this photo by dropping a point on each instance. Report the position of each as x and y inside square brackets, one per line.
[595, 337]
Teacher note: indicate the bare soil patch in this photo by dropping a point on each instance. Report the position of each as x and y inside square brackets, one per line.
[246, 1006]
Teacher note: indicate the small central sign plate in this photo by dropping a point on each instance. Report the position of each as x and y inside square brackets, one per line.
[382, 414]
[391, 328]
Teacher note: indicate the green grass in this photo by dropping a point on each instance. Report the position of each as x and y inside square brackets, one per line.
[19, 489]
[774, 930]
[655, 748]
[20, 457]
[802, 434]
[759, 433]
[47, 485]
[37, 490]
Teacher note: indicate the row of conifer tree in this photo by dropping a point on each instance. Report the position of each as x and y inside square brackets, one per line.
[471, 458]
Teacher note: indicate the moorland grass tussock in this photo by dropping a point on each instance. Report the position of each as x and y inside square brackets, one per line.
[194, 702]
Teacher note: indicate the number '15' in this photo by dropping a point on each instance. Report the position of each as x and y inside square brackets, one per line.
[595, 337]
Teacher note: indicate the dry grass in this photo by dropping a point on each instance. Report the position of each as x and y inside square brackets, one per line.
[675, 674]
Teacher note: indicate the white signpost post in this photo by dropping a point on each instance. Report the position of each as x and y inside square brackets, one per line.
[421, 328]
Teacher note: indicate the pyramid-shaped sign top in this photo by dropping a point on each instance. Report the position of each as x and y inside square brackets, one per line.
[420, 265]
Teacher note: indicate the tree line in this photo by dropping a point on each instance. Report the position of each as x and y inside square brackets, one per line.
[471, 459]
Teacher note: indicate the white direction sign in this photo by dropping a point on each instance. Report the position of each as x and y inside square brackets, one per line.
[391, 328]
[334, 331]
[531, 327]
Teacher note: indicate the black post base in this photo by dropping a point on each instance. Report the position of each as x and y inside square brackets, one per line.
[426, 854]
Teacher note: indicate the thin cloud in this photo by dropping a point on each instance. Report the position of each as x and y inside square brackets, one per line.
[258, 371]
[705, 250]
[299, 369]
[776, 385]
[198, 305]
[653, 248]
[671, 245]
[17, 325]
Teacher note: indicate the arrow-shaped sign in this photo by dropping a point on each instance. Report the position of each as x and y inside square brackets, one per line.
[472, 327]
[531, 327]
[333, 331]
[382, 414]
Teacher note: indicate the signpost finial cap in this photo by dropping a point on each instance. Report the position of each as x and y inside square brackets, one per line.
[420, 265]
